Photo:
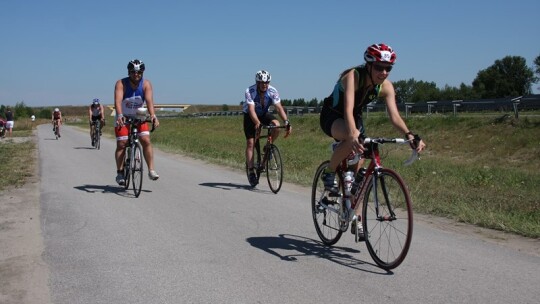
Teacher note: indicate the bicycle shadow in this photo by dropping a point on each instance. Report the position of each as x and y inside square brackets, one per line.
[305, 247]
[85, 148]
[106, 189]
[233, 186]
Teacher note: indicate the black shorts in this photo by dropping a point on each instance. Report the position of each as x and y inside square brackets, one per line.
[94, 118]
[328, 116]
[249, 126]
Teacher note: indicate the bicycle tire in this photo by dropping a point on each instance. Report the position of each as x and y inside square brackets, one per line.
[327, 222]
[257, 160]
[137, 168]
[127, 167]
[97, 136]
[274, 169]
[388, 236]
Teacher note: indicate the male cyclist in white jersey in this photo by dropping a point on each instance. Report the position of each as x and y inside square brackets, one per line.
[259, 97]
[131, 93]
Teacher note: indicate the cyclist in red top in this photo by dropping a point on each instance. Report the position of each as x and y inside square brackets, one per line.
[57, 119]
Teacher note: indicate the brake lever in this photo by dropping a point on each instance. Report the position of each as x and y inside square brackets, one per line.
[414, 157]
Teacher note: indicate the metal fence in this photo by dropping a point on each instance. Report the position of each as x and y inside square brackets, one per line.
[452, 107]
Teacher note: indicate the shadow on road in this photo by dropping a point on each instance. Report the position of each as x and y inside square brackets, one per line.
[304, 247]
[108, 189]
[231, 186]
[86, 148]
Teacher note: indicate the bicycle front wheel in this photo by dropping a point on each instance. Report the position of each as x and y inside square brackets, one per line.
[127, 167]
[98, 137]
[274, 169]
[387, 218]
[326, 210]
[137, 168]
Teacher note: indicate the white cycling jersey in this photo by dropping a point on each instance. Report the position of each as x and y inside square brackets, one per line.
[271, 97]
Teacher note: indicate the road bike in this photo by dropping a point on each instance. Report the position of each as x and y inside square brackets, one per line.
[96, 134]
[270, 161]
[386, 208]
[133, 158]
[56, 129]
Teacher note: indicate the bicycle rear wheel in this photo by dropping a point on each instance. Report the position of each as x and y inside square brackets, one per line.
[387, 219]
[137, 168]
[325, 209]
[127, 167]
[274, 169]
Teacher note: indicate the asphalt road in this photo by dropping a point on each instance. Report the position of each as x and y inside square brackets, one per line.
[200, 235]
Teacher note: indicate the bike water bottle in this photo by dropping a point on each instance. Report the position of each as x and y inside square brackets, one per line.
[358, 180]
[348, 179]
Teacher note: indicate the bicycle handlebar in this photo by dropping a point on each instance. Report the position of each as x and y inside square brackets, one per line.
[414, 156]
[136, 120]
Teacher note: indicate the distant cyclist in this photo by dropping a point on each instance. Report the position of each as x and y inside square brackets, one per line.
[131, 93]
[57, 120]
[95, 113]
[259, 98]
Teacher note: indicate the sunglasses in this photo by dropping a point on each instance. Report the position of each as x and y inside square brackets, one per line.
[380, 68]
[136, 72]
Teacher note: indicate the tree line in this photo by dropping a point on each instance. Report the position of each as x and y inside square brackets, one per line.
[507, 77]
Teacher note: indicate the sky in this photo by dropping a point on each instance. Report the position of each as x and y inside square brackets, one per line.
[68, 52]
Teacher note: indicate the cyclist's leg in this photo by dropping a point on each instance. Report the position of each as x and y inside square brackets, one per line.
[121, 142]
[148, 150]
[249, 133]
[270, 119]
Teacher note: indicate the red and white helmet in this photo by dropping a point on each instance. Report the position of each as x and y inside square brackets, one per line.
[380, 53]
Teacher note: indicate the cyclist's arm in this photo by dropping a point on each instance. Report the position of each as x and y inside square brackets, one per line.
[149, 98]
[253, 116]
[283, 115]
[389, 95]
[349, 82]
[102, 112]
[118, 97]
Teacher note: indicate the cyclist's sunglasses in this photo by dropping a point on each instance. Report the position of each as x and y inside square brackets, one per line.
[136, 72]
[380, 68]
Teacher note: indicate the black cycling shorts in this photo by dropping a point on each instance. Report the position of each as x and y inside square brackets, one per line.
[328, 116]
[249, 126]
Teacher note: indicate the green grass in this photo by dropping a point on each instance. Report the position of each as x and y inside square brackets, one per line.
[478, 170]
[17, 160]
[483, 170]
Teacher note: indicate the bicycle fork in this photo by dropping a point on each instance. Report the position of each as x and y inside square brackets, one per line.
[378, 176]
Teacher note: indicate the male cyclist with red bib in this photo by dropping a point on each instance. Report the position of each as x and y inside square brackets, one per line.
[131, 93]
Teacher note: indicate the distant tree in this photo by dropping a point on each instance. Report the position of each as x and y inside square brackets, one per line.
[299, 102]
[508, 77]
[286, 102]
[44, 113]
[537, 68]
[225, 108]
[537, 64]
[404, 90]
[21, 110]
[313, 102]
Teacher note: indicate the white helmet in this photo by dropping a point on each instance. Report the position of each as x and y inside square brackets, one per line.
[57, 110]
[263, 76]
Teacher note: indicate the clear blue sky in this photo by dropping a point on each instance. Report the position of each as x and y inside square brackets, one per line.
[67, 52]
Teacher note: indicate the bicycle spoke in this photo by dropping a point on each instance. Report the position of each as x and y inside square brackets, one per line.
[387, 219]
[325, 210]
[274, 169]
